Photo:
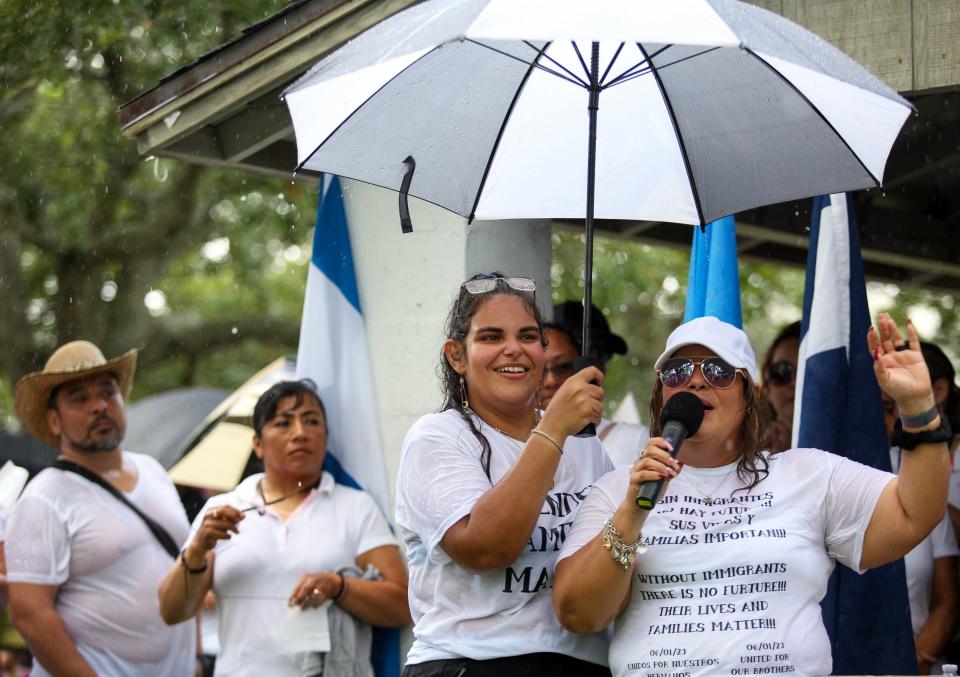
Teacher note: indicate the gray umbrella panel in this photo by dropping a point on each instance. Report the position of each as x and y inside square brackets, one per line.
[737, 164]
[460, 91]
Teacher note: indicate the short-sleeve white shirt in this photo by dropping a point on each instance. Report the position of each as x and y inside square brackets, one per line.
[918, 563]
[508, 612]
[736, 583]
[624, 442]
[69, 532]
[256, 570]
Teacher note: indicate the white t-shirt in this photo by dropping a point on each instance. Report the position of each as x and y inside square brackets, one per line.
[255, 572]
[508, 612]
[941, 542]
[69, 532]
[736, 583]
[624, 442]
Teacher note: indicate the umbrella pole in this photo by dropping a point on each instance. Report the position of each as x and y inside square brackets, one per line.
[592, 107]
[586, 359]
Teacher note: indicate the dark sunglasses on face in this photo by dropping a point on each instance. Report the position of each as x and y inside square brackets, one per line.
[782, 373]
[678, 371]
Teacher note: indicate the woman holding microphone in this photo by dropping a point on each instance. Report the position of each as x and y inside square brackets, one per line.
[487, 490]
[731, 564]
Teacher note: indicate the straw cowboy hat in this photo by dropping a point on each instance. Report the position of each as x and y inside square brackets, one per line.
[70, 361]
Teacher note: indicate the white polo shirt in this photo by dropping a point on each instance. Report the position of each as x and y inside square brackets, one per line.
[256, 571]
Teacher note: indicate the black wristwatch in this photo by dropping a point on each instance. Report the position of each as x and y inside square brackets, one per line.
[910, 441]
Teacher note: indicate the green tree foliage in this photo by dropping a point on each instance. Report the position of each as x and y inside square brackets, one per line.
[90, 230]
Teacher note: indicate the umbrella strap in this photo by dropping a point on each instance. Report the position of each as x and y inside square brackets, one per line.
[161, 534]
[406, 225]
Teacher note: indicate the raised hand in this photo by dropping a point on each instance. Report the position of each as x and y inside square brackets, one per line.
[899, 366]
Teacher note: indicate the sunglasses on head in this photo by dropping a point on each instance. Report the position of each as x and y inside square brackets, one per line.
[487, 282]
[782, 373]
[677, 372]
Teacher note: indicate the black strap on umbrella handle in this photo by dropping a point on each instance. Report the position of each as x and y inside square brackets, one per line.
[406, 225]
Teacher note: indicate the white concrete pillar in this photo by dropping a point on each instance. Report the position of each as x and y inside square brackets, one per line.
[407, 283]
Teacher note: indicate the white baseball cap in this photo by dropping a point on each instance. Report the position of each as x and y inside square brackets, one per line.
[724, 339]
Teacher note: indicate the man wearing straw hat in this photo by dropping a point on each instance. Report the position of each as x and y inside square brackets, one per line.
[91, 537]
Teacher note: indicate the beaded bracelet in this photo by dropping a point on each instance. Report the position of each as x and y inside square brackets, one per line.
[622, 553]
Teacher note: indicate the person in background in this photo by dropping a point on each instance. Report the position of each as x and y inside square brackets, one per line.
[779, 385]
[486, 491]
[735, 558]
[289, 537]
[82, 566]
[622, 441]
[931, 570]
[947, 396]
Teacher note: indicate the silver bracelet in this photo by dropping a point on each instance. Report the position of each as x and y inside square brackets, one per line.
[622, 553]
[537, 431]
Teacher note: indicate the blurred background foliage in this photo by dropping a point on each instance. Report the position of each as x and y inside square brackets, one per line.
[204, 269]
[642, 289]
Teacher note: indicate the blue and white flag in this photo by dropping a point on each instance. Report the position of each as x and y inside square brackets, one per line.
[333, 352]
[713, 284]
[839, 410]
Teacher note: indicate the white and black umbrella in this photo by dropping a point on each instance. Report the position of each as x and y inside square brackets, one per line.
[681, 111]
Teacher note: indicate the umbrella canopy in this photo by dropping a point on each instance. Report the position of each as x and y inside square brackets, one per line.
[706, 108]
[164, 425]
[219, 450]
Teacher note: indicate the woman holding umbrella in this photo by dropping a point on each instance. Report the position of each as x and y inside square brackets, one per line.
[290, 537]
[487, 489]
[742, 542]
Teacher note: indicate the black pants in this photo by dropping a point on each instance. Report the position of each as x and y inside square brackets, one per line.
[527, 665]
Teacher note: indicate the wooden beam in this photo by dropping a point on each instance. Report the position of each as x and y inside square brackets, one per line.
[258, 126]
[276, 65]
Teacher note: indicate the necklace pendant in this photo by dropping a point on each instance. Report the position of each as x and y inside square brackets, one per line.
[707, 500]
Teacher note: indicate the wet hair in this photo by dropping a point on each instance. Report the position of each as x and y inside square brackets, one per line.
[752, 465]
[266, 407]
[457, 326]
[791, 331]
[940, 367]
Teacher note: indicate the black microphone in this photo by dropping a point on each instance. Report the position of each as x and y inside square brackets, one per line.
[681, 417]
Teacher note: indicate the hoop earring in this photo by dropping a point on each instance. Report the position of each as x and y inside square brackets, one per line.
[464, 402]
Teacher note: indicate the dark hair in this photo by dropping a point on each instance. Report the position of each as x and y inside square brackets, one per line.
[457, 326]
[791, 331]
[55, 391]
[752, 465]
[266, 407]
[940, 367]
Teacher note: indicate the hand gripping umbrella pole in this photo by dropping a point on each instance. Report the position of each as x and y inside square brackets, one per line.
[586, 359]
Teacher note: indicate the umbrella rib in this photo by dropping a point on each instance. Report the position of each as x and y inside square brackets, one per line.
[649, 69]
[612, 61]
[586, 68]
[573, 80]
[544, 55]
[630, 70]
[676, 131]
[503, 126]
[816, 110]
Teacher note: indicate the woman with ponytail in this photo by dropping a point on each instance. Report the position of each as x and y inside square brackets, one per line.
[486, 490]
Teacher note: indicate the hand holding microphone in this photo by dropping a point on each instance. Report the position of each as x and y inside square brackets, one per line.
[681, 418]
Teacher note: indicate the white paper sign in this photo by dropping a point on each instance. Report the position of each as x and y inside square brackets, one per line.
[306, 630]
